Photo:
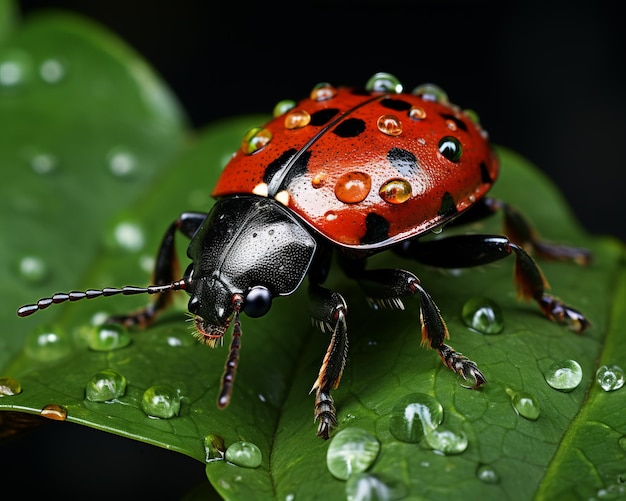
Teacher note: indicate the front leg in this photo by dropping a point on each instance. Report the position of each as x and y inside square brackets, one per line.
[388, 288]
[166, 270]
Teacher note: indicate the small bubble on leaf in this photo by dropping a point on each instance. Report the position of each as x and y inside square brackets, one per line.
[351, 451]
[108, 337]
[564, 375]
[105, 385]
[245, 454]
[161, 401]
[483, 315]
[610, 377]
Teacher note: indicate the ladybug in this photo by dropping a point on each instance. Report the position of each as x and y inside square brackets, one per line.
[348, 172]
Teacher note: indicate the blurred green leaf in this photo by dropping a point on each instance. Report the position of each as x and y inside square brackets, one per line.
[62, 203]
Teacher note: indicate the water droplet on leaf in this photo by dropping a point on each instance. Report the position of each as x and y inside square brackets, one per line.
[161, 401]
[54, 412]
[447, 441]
[244, 454]
[214, 447]
[366, 487]
[122, 163]
[525, 405]
[413, 416]
[48, 343]
[483, 315]
[52, 71]
[9, 386]
[44, 163]
[108, 337]
[16, 68]
[610, 377]
[487, 474]
[351, 451]
[126, 235]
[33, 269]
[105, 385]
[564, 375]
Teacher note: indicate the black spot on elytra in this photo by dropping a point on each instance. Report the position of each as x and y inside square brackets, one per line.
[459, 123]
[448, 207]
[350, 127]
[403, 160]
[396, 104]
[298, 169]
[485, 177]
[276, 166]
[322, 117]
[377, 229]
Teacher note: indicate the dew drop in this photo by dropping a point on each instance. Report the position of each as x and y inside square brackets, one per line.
[413, 416]
[283, 107]
[525, 404]
[330, 215]
[44, 163]
[612, 491]
[564, 375]
[431, 92]
[161, 402]
[126, 235]
[323, 91]
[353, 187]
[395, 191]
[487, 474]
[446, 441]
[389, 125]
[108, 337]
[622, 442]
[16, 68]
[48, 343]
[33, 269]
[297, 119]
[54, 412]
[245, 454]
[214, 447]
[610, 377]
[255, 139]
[318, 180]
[384, 82]
[105, 385]
[417, 113]
[483, 315]
[450, 148]
[472, 115]
[366, 487]
[52, 71]
[351, 451]
[122, 163]
[9, 386]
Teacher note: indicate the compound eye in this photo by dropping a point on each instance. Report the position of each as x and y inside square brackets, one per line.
[258, 301]
[194, 305]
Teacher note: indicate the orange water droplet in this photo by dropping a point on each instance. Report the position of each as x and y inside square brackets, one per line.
[451, 125]
[318, 180]
[395, 191]
[54, 412]
[353, 187]
[297, 119]
[390, 125]
[417, 113]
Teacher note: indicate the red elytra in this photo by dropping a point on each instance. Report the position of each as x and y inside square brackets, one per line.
[366, 169]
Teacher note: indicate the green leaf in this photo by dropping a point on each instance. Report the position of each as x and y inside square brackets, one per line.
[108, 101]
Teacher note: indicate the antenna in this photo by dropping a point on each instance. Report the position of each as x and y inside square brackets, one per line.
[128, 290]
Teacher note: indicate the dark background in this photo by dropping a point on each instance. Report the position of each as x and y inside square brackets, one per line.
[546, 80]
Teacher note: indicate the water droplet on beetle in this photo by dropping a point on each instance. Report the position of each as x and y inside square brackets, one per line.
[54, 412]
[330, 216]
[353, 187]
[414, 415]
[396, 191]
[16, 68]
[525, 404]
[44, 163]
[430, 92]
[105, 385]
[255, 139]
[9, 386]
[318, 180]
[48, 343]
[33, 269]
[450, 148]
[487, 474]
[384, 82]
[122, 163]
[214, 447]
[447, 441]
[283, 107]
[297, 119]
[52, 71]
[161, 401]
[108, 337]
[245, 454]
[323, 91]
[351, 451]
[472, 115]
[483, 315]
[417, 113]
[564, 375]
[389, 125]
[367, 487]
[610, 377]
